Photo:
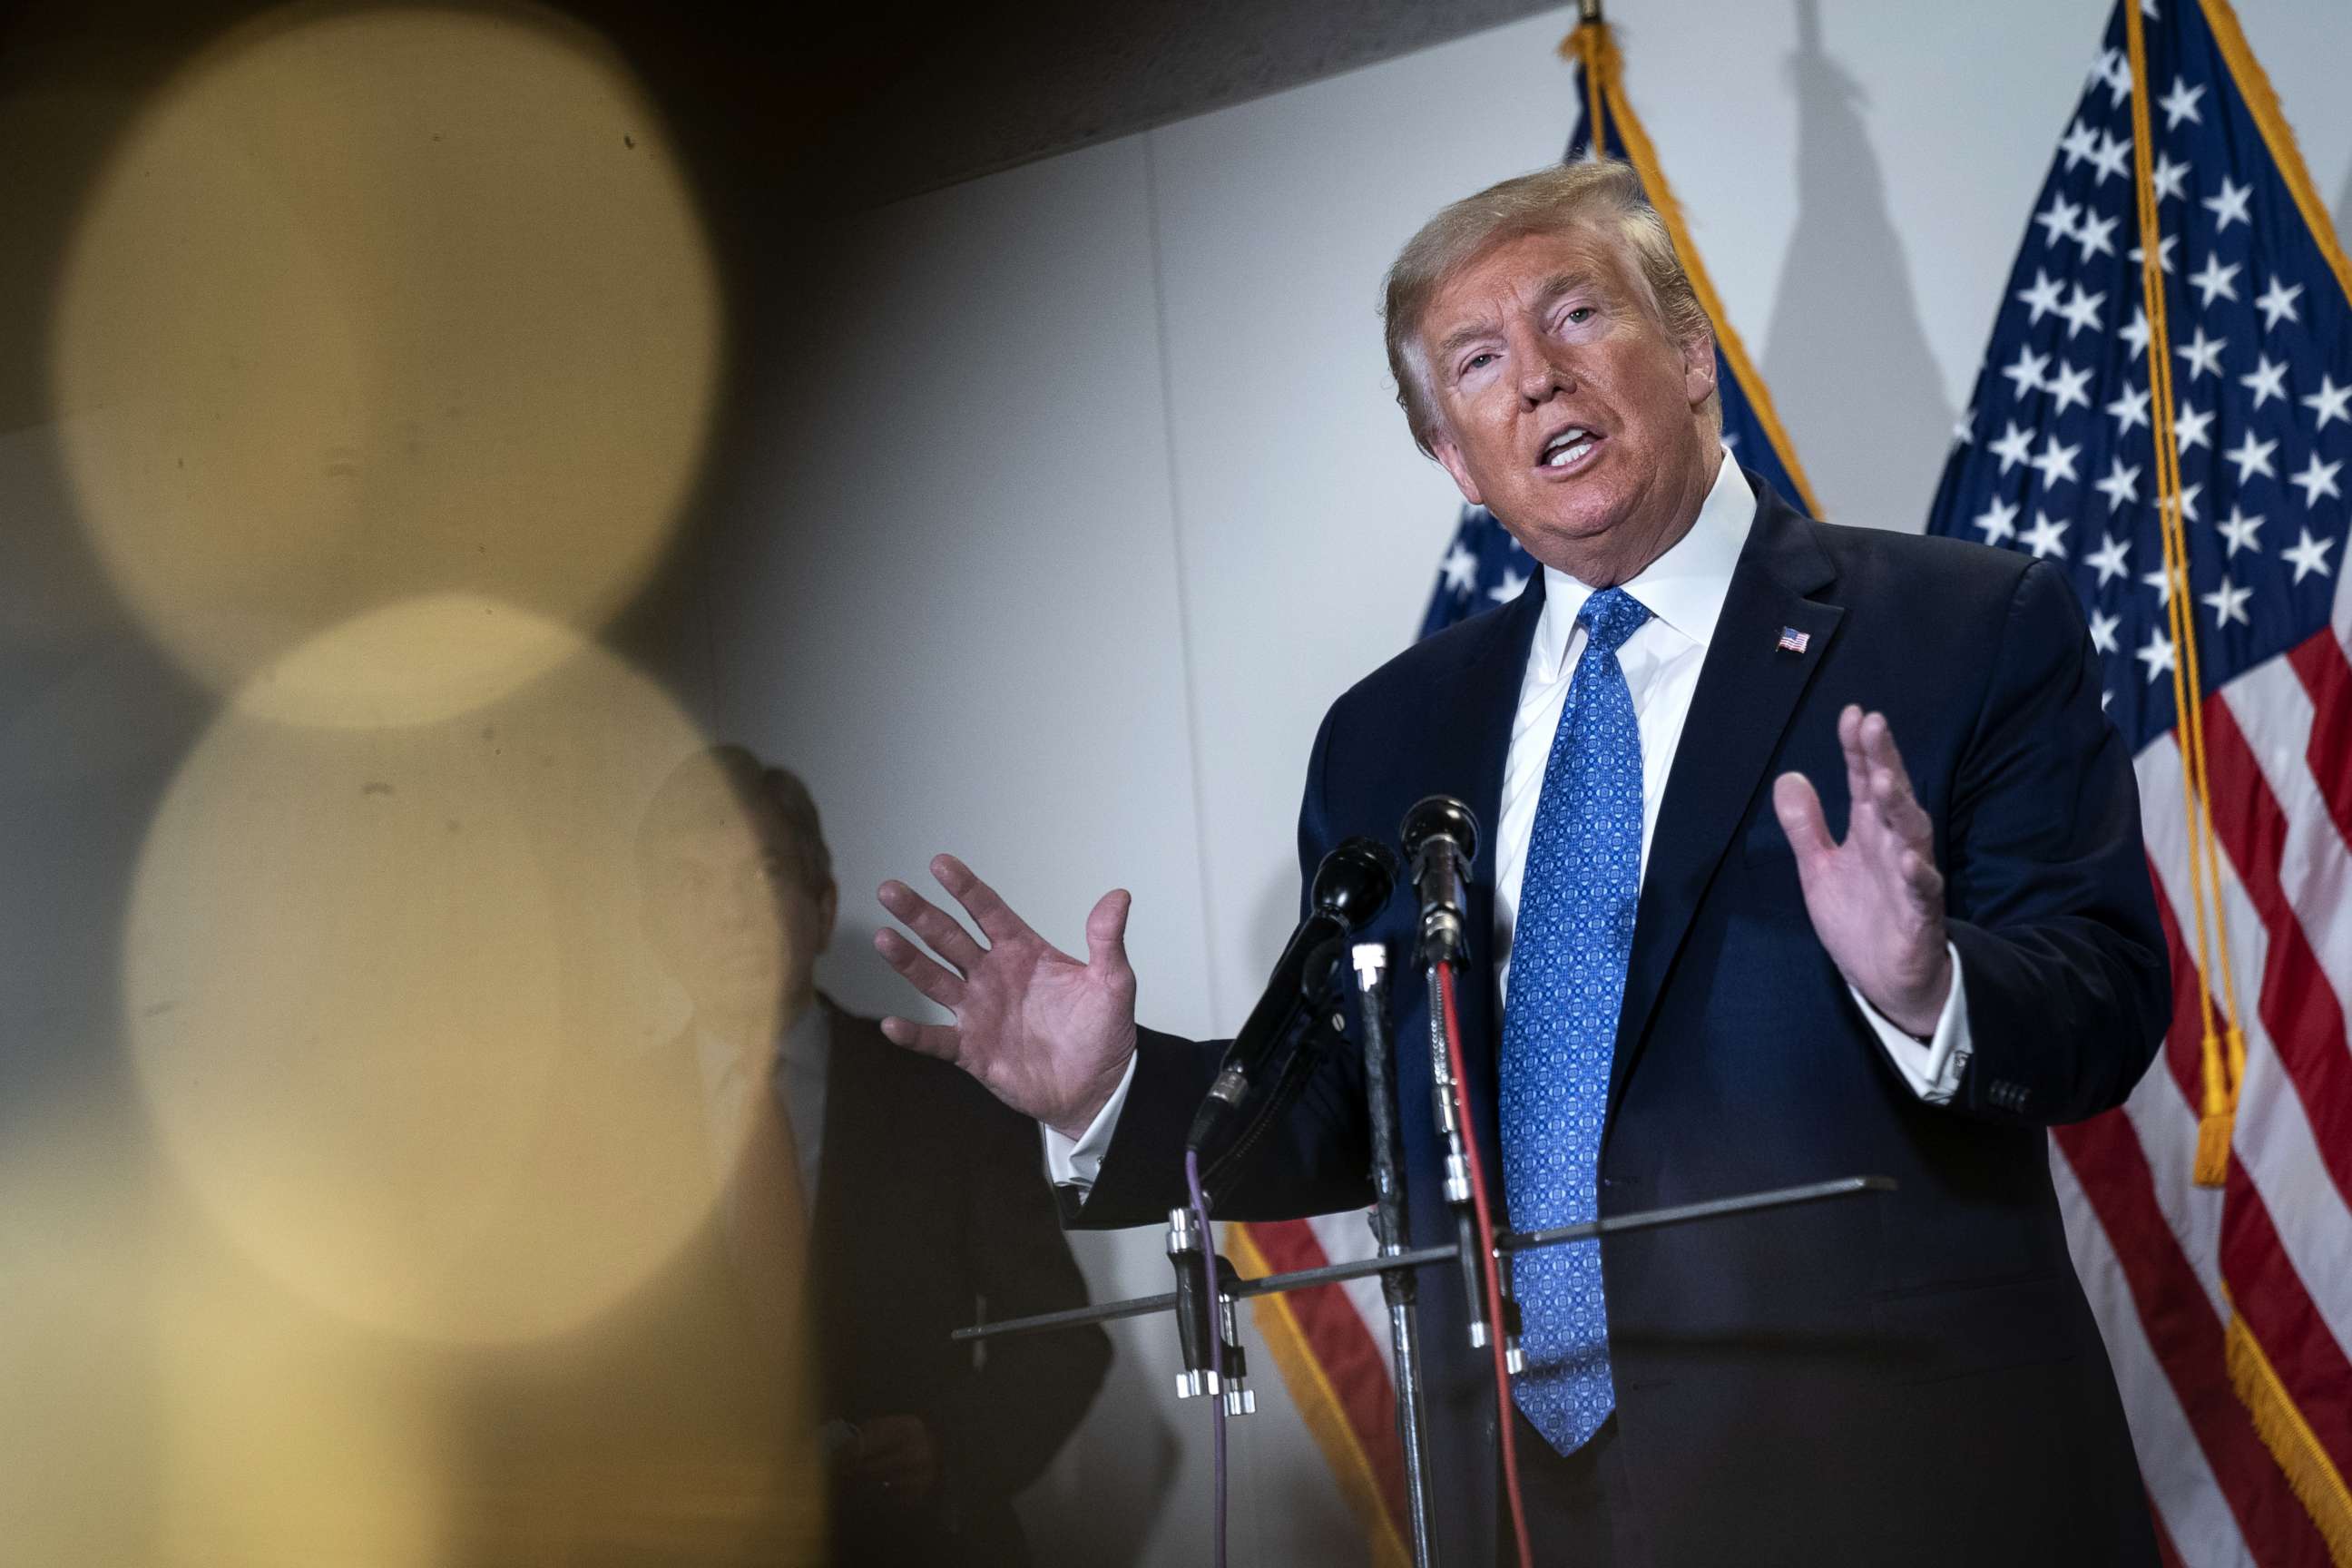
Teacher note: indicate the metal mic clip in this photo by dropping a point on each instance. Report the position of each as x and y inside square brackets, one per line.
[1195, 1314]
[1515, 1356]
[1199, 1316]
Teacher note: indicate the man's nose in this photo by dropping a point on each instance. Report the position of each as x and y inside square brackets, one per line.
[1542, 376]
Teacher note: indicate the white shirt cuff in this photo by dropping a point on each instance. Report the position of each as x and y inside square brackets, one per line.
[1076, 1163]
[1933, 1071]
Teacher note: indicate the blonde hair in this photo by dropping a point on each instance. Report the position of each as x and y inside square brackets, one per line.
[1603, 193]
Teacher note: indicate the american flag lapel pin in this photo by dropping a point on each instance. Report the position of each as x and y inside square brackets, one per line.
[1792, 640]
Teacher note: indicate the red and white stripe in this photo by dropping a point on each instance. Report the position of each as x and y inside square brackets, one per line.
[2166, 1262]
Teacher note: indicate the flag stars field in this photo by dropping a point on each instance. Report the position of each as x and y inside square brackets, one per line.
[2110, 559]
[2239, 530]
[2265, 381]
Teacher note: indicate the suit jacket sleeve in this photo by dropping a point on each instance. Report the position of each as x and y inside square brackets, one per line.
[1317, 1160]
[2069, 991]
[1006, 1423]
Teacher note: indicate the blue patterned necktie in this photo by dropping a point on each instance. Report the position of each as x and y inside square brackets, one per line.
[1568, 948]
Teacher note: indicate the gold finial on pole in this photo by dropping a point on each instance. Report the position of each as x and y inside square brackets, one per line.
[1586, 43]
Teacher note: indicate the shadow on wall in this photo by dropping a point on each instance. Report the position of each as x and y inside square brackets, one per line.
[1847, 360]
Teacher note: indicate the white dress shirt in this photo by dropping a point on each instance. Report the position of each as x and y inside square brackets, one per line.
[1684, 590]
[803, 1054]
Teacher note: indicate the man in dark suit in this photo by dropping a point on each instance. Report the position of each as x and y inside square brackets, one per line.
[1737, 940]
[916, 1196]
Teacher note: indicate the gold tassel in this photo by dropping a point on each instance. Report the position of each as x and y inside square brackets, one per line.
[2310, 1474]
[2219, 1117]
[2213, 1131]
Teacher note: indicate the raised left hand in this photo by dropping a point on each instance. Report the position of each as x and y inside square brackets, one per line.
[1877, 900]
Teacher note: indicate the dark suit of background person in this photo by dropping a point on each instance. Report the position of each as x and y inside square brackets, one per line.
[932, 1201]
[930, 1198]
[1909, 1379]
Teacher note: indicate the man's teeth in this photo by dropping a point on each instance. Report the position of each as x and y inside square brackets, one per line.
[1566, 447]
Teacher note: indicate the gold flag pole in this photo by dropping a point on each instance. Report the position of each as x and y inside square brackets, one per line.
[1593, 45]
[2223, 1063]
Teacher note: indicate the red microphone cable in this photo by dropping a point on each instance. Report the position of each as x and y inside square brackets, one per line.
[1486, 1269]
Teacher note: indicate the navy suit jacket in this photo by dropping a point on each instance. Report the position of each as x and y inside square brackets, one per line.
[1909, 1378]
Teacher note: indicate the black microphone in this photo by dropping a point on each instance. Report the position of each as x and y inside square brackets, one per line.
[1441, 840]
[1352, 885]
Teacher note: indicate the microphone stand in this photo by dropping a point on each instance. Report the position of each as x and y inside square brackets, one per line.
[1398, 1288]
[1440, 835]
[1185, 1240]
[1243, 1289]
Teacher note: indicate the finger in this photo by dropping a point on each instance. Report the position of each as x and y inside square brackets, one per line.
[1106, 932]
[1857, 765]
[1799, 806]
[993, 915]
[1898, 808]
[919, 969]
[1924, 882]
[1891, 781]
[940, 929]
[941, 1040]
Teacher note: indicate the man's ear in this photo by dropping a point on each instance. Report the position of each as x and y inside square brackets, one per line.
[1449, 457]
[828, 908]
[1698, 368]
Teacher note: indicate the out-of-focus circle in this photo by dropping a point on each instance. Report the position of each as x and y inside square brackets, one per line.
[284, 1438]
[411, 663]
[382, 302]
[390, 998]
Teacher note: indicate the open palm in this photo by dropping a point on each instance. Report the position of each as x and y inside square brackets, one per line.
[1877, 900]
[1047, 1034]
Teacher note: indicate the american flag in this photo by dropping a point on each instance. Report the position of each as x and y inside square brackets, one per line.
[1331, 1344]
[2227, 1311]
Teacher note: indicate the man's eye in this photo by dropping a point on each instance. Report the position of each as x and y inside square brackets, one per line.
[1475, 362]
[1580, 314]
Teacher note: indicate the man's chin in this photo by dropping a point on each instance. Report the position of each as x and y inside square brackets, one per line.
[1570, 542]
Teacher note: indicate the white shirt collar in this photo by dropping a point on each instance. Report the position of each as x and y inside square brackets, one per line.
[805, 1046]
[809, 1042]
[1685, 587]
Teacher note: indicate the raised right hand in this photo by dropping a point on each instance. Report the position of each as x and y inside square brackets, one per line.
[1047, 1034]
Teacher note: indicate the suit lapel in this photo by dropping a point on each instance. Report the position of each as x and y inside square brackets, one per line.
[1748, 688]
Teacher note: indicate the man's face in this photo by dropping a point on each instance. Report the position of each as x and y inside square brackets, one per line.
[1563, 404]
[728, 914]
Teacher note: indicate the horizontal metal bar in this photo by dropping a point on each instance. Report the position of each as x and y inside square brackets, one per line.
[1684, 1214]
[1506, 1241]
[1337, 1273]
[1072, 1318]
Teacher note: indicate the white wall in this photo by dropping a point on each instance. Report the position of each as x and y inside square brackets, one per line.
[1090, 494]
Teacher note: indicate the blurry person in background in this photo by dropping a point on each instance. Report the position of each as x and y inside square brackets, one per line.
[916, 1196]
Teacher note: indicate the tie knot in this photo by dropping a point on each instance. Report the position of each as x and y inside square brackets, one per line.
[1612, 616]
